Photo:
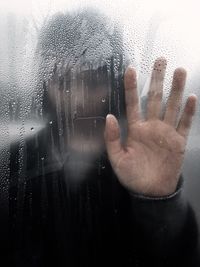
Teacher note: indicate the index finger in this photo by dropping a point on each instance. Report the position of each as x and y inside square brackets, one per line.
[131, 96]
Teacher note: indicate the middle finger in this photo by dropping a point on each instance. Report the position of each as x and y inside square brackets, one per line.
[156, 89]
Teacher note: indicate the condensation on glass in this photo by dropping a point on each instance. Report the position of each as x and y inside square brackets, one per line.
[61, 73]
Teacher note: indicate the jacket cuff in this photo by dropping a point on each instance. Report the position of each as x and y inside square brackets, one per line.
[178, 191]
[160, 216]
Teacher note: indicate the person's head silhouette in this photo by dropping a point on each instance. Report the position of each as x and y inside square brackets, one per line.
[82, 61]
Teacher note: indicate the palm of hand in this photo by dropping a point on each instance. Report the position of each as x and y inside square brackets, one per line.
[152, 148]
[150, 161]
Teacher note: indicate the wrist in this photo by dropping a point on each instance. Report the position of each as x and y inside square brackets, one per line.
[155, 188]
[158, 191]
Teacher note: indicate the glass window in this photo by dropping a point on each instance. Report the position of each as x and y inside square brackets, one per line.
[62, 70]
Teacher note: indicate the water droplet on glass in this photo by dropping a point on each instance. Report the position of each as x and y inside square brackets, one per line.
[50, 122]
[103, 100]
[32, 128]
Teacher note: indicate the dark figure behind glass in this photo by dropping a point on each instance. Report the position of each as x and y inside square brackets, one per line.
[75, 211]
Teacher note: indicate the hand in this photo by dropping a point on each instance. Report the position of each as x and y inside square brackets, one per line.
[150, 161]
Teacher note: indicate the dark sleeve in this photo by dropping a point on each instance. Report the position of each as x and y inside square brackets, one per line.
[165, 230]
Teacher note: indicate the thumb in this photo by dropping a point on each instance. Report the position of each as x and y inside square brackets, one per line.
[112, 136]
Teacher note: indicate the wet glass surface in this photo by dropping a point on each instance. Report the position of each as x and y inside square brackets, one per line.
[62, 70]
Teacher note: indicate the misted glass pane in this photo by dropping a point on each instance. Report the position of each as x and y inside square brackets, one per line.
[71, 192]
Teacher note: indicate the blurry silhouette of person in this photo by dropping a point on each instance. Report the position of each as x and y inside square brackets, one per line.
[95, 196]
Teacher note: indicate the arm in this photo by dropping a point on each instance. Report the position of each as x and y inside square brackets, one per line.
[165, 229]
[149, 164]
